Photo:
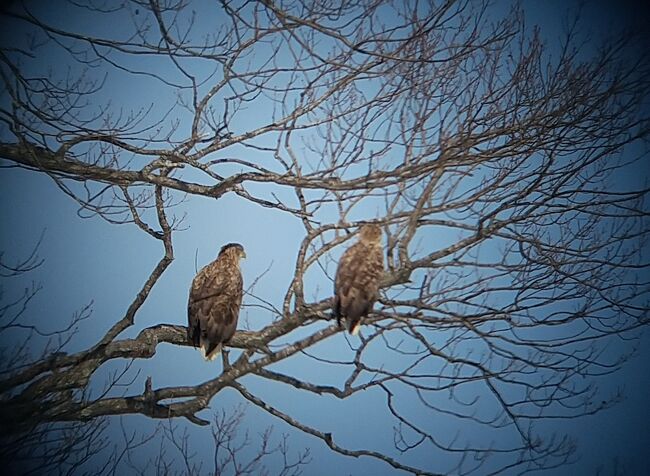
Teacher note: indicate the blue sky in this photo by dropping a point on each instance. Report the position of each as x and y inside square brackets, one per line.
[89, 260]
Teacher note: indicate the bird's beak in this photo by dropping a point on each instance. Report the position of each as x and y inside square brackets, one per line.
[243, 255]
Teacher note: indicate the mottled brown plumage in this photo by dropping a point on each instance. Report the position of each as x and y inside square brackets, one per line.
[356, 286]
[214, 302]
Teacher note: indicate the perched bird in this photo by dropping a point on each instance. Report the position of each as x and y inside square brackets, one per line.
[214, 302]
[356, 285]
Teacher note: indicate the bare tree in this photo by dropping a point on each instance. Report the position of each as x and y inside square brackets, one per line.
[229, 446]
[497, 165]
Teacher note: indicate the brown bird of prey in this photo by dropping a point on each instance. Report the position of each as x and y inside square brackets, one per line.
[215, 299]
[356, 285]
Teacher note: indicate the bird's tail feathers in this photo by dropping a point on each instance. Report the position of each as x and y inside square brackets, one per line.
[214, 353]
[353, 327]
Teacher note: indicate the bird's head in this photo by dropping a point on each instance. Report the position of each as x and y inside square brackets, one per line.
[370, 232]
[233, 250]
